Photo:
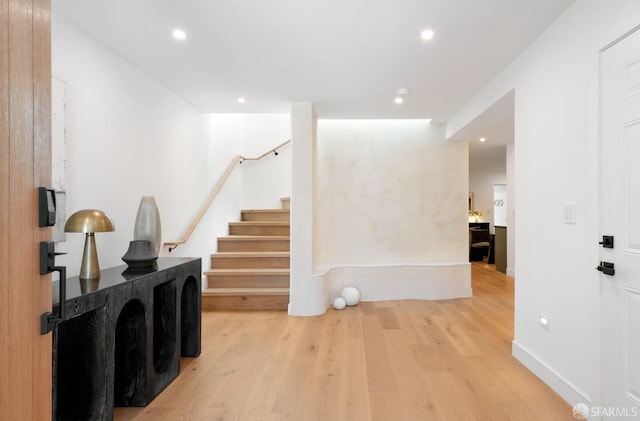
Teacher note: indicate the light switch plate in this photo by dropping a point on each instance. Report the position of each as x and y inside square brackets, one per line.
[569, 213]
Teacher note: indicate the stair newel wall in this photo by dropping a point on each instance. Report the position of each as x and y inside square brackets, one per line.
[308, 292]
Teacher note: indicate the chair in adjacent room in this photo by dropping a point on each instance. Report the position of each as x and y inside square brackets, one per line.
[479, 244]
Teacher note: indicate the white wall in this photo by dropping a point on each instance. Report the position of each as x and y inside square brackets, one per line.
[511, 210]
[266, 181]
[556, 161]
[128, 136]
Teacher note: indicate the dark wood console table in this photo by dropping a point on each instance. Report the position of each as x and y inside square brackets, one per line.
[123, 336]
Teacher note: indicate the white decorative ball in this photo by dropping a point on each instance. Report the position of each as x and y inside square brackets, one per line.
[339, 303]
[351, 295]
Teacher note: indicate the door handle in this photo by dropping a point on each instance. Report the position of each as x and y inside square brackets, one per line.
[48, 320]
[607, 268]
[607, 241]
[47, 265]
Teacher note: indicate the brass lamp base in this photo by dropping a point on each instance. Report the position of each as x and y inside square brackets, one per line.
[89, 269]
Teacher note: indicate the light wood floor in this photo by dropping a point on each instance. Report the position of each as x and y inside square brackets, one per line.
[397, 360]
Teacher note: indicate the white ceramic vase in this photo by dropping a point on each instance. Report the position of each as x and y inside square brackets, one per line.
[147, 225]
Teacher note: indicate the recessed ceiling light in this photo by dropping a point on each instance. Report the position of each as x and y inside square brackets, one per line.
[179, 34]
[242, 100]
[483, 139]
[398, 100]
[426, 35]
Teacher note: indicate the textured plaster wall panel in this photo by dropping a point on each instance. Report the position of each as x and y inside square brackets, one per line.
[389, 192]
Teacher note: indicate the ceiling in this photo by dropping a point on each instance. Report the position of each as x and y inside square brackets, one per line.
[347, 57]
[496, 126]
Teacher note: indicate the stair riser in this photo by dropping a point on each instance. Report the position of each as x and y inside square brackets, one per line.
[265, 216]
[253, 302]
[239, 262]
[239, 229]
[244, 245]
[248, 281]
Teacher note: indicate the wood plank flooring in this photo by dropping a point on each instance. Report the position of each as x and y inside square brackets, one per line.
[396, 360]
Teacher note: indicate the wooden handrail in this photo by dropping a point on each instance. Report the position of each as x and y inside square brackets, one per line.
[272, 150]
[235, 161]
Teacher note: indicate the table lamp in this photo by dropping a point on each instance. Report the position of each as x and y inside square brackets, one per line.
[89, 221]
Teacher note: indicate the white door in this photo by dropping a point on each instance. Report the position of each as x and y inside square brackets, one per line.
[620, 218]
[500, 205]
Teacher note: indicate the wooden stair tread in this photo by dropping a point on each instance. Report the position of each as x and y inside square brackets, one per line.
[239, 243]
[279, 215]
[261, 228]
[247, 271]
[244, 291]
[251, 254]
[266, 210]
[255, 238]
[260, 223]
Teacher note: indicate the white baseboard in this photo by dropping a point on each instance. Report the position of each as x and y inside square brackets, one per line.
[511, 272]
[402, 282]
[552, 378]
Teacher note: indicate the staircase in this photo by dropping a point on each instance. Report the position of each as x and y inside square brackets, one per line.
[250, 271]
